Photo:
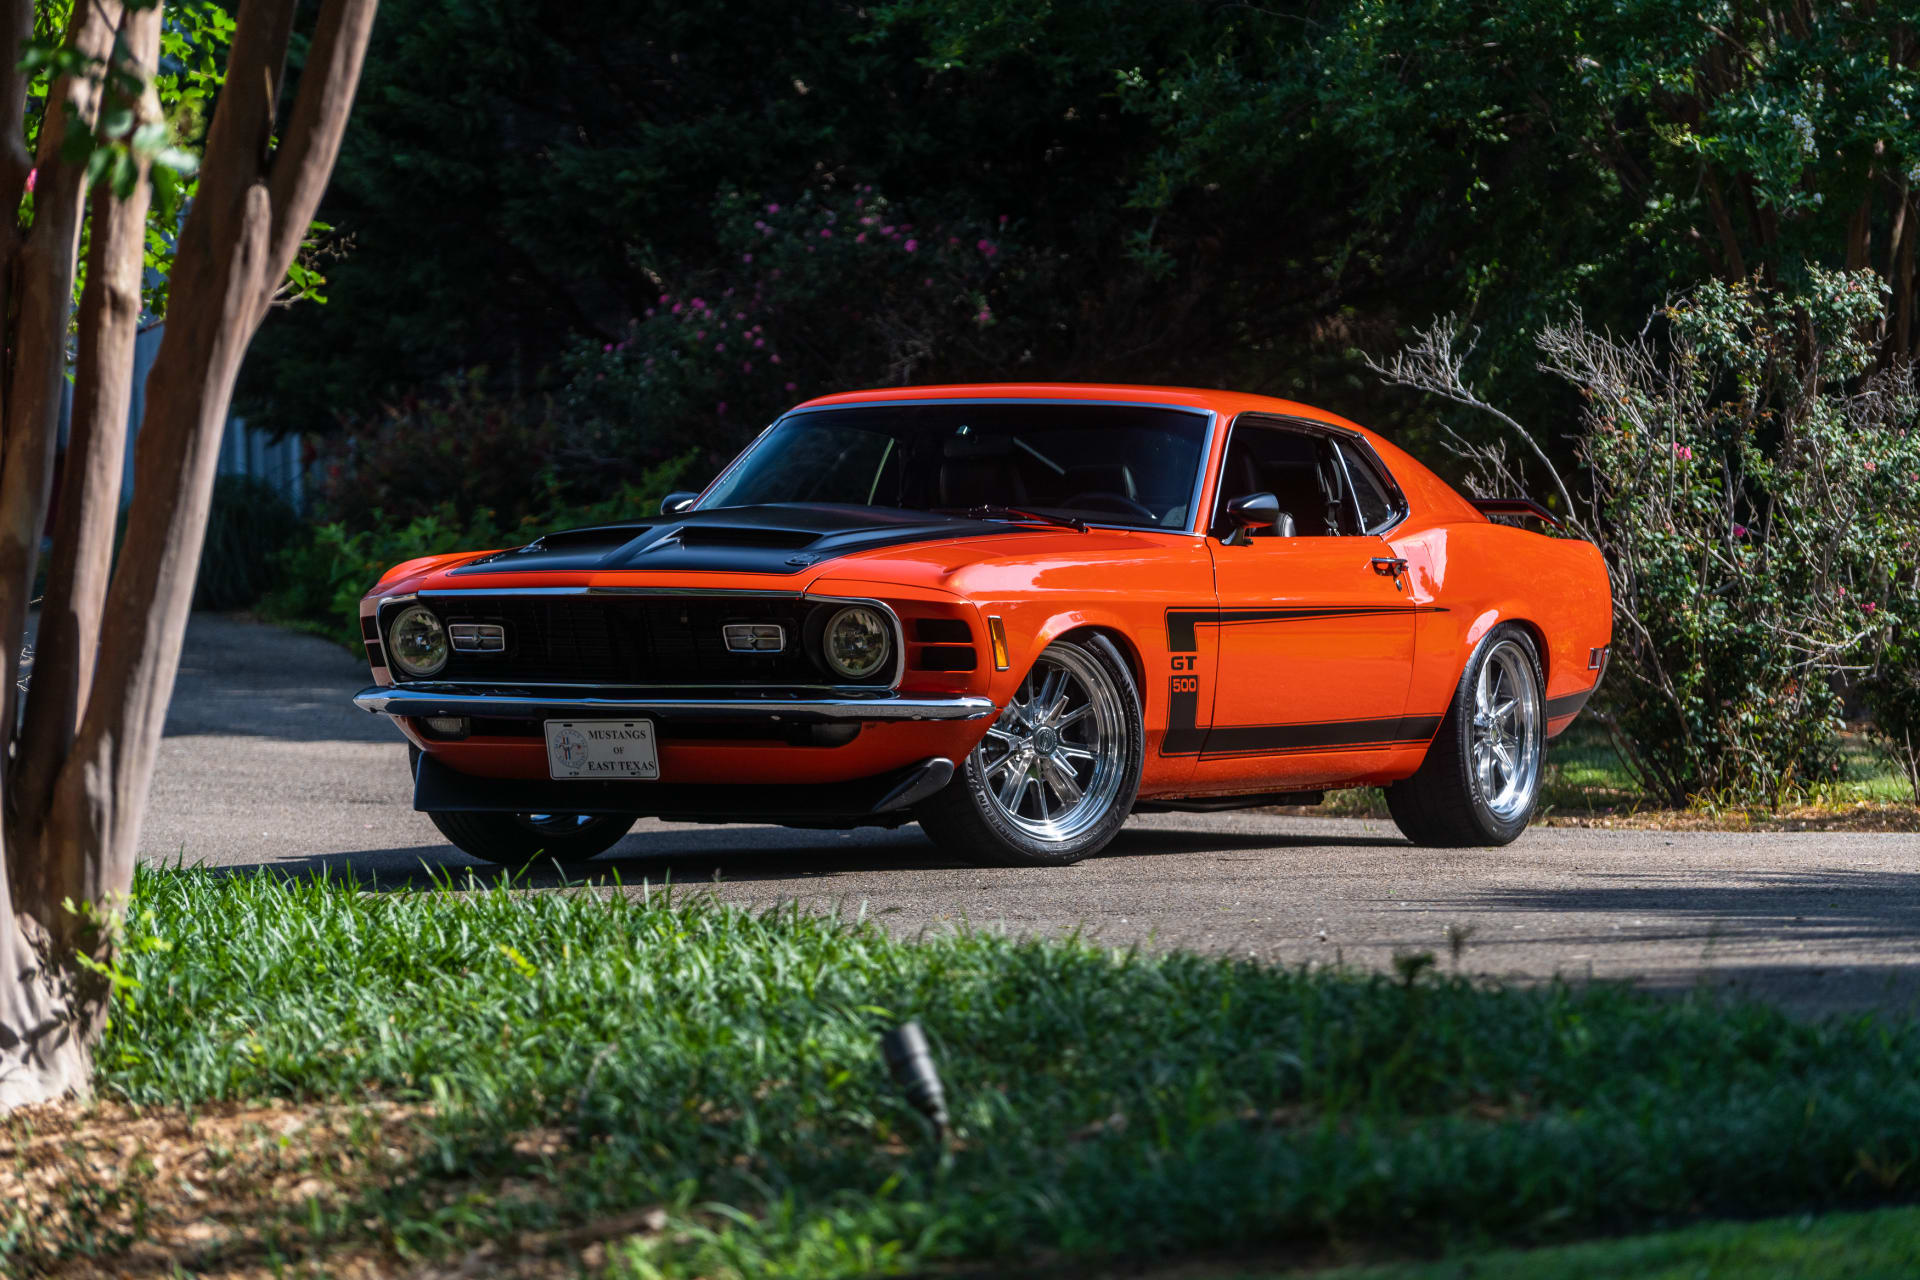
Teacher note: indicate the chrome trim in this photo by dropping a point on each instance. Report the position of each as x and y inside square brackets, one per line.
[438, 593]
[1199, 480]
[477, 637]
[512, 703]
[749, 631]
[1313, 426]
[899, 632]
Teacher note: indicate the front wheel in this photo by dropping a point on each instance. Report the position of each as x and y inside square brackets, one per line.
[1055, 776]
[1480, 781]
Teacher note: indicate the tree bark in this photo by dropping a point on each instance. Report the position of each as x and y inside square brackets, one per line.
[110, 309]
[78, 845]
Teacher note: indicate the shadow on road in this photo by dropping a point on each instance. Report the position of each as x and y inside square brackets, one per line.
[701, 855]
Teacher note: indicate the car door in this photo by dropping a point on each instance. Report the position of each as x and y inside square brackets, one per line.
[1315, 632]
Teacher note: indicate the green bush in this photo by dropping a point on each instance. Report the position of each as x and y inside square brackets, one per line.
[1750, 484]
[325, 574]
[248, 526]
[1892, 694]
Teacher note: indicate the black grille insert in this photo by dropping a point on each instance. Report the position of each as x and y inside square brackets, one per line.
[632, 640]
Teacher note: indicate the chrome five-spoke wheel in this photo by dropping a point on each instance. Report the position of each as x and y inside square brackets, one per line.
[1506, 730]
[1481, 777]
[1057, 755]
[1055, 775]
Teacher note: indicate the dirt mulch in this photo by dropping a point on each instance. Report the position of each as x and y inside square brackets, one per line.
[97, 1190]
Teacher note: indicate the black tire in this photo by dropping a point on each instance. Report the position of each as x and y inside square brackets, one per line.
[971, 819]
[1448, 803]
[518, 839]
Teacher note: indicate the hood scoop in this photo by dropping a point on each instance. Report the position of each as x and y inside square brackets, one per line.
[722, 535]
[781, 538]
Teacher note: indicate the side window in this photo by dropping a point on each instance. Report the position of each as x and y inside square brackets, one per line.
[1369, 493]
[1297, 467]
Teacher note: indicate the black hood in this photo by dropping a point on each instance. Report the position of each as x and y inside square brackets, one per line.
[777, 538]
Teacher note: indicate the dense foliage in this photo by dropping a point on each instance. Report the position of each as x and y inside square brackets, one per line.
[577, 1057]
[1749, 482]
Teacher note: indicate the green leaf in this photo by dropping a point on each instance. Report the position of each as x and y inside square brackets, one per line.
[126, 174]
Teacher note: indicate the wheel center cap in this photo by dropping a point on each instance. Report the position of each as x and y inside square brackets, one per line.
[1045, 741]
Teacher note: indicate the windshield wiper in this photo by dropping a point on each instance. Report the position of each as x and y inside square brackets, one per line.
[997, 512]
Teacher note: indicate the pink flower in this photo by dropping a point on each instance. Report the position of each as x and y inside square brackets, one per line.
[1683, 453]
[759, 343]
[1003, 219]
[721, 408]
[699, 304]
[719, 346]
[676, 308]
[984, 316]
[649, 313]
[775, 357]
[886, 231]
[1872, 467]
[607, 346]
[952, 241]
[773, 208]
[699, 334]
[1739, 531]
[746, 366]
[1868, 605]
[33, 176]
[746, 257]
[791, 386]
[826, 233]
[861, 238]
[912, 246]
[665, 298]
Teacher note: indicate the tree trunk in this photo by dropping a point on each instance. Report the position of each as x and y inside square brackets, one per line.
[78, 782]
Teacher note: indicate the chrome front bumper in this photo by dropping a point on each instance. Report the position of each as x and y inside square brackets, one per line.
[787, 706]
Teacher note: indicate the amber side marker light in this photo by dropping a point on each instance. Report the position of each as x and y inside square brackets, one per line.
[997, 633]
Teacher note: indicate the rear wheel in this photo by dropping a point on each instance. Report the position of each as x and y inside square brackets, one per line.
[1480, 782]
[517, 839]
[1055, 776]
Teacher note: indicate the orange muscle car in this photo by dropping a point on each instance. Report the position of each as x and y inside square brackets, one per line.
[1013, 614]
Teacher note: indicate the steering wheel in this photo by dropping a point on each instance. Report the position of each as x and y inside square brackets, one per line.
[1111, 501]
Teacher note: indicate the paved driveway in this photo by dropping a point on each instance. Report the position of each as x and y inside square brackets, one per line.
[267, 764]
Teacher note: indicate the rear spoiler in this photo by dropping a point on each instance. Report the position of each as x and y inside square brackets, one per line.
[1515, 507]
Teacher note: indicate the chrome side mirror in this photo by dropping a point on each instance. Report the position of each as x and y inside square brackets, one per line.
[677, 501]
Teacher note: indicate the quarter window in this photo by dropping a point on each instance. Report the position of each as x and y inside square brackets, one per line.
[1369, 494]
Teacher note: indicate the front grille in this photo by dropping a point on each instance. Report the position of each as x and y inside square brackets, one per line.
[613, 639]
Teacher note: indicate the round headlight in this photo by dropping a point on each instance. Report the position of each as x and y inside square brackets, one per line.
[417, 642]
[857, 642]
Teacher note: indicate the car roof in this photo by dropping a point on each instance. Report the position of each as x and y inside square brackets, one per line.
[1427, 489]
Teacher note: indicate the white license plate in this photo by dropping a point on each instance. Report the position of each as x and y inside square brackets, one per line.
[605, 749]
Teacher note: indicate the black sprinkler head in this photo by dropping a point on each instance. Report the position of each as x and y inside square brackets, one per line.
[911, 1063]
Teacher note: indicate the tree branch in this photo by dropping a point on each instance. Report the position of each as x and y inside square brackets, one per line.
[96, 448]
[39, 331]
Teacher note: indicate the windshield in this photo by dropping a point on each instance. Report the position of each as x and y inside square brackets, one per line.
[1130, 465]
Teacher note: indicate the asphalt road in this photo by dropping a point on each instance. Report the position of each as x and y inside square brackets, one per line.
[267, 764]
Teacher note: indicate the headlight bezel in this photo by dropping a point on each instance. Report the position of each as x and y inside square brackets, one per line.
[886, 658]
[395, 654]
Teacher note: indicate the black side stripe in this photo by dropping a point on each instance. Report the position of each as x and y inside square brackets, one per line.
[1567, 704]
[1181, 622]
[1320, 736]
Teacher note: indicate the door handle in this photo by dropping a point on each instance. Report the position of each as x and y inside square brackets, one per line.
[1390, 567]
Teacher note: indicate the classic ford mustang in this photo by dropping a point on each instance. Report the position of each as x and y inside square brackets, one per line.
[1013, 614]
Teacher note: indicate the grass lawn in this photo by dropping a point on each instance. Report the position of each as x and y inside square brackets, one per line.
[1841, 1246]
[305, 1078]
